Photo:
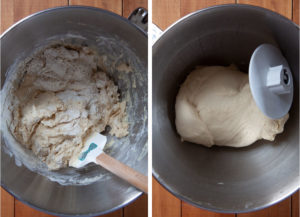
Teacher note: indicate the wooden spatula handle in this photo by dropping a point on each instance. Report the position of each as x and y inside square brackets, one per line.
[123, 171]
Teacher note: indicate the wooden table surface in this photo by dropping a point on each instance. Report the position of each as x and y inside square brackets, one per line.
[166, 12]
[11, 12]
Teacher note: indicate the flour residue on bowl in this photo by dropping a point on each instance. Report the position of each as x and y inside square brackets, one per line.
[62, 97]
[104, 74]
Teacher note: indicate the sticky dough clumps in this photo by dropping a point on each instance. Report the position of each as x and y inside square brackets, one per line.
[62, 98]
[215, 106]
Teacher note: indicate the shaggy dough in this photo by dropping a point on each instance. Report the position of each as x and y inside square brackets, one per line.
[62, 98]
[214, 106]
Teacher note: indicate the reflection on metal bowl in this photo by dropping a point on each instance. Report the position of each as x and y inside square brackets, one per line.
[223, 179]
[90, 190]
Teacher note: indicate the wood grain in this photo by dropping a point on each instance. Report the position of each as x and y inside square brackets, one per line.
[117, 213]
[191, 211]
[14, 10]
[296, 8]
[7, 14]
[165, 12]
[295, 204]
[111, 5]
[11, 12]
[131, 5]
[188, 6]
[138, 208]
[7, 204]
[164, 204]
[284, 7]
[282, 209]
[23, 210]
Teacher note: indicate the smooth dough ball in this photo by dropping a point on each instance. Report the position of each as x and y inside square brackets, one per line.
[214, 106]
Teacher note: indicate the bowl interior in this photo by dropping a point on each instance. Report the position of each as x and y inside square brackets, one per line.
[90, 190]
[219, 178]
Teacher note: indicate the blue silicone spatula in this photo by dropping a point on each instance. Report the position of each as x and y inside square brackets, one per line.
[93, 152]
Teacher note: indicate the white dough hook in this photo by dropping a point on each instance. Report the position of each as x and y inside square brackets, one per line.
[271, 81]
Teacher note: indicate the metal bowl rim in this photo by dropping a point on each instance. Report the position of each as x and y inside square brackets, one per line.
[49, 10]
[126, 203]
[211, 8]
[156, 175]
[195, 204]
[71, 7]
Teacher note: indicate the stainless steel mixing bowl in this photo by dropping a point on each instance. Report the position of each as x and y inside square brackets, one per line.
[117, 38]
[223, 179]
